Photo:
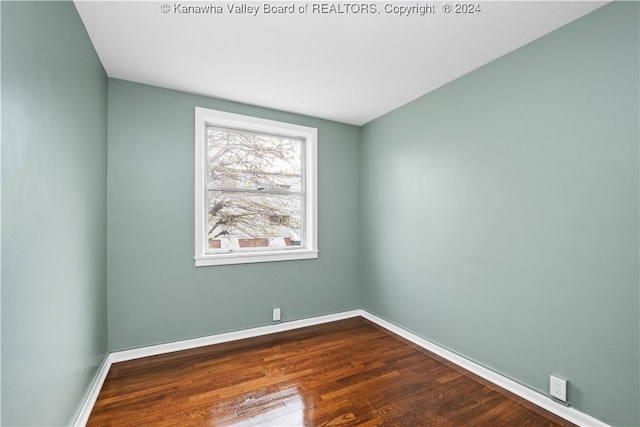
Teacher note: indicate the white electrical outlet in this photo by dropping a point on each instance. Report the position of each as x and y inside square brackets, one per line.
[276, 314]
[558, 388]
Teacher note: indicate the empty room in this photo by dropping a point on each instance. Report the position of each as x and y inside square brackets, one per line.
[320, 213]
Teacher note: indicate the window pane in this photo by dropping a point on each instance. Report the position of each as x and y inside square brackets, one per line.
[247, 160]
[241, 221]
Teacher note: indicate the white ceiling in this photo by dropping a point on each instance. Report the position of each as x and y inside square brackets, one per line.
[350, 68]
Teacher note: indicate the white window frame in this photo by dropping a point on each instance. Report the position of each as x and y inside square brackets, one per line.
[207, 117]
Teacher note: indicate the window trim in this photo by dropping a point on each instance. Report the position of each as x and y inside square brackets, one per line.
[205, 117]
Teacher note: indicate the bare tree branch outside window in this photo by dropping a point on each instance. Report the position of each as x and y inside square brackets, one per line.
[254, 188]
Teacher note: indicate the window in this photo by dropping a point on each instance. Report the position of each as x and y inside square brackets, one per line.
[255, 190]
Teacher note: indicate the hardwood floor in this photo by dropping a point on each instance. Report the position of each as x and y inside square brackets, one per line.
[345, 373]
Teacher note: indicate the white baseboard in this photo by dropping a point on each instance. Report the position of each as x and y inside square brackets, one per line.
[121, 356]
[91, 398]
[568, 413]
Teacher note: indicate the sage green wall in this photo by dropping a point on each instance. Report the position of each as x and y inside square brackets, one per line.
[500, 214]
[54, 142]
[155, 293]
[0, 215]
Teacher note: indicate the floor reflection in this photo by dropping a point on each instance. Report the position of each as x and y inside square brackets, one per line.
[264, 408]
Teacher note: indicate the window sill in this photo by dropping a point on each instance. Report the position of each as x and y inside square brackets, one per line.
[248, 257]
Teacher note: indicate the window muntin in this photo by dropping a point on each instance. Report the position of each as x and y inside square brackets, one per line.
[255, 189]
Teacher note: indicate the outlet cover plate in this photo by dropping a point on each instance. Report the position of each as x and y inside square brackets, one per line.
[558, 388]
[276, 314]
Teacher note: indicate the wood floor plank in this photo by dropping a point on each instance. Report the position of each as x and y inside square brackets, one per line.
[340, 374]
